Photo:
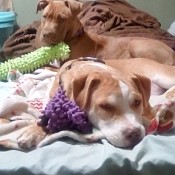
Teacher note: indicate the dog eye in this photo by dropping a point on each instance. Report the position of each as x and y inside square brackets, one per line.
[61, 18]
[106, 106]
[44, 16]
[137, 103]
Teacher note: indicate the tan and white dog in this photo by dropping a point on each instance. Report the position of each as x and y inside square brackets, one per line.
[60, 23]
[114, 101]
[115, 97]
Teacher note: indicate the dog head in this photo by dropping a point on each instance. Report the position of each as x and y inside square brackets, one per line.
[57, 21]
[114, 102]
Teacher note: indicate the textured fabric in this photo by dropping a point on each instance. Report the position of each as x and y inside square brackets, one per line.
[119, 18]
[153, 156]
[21, 42]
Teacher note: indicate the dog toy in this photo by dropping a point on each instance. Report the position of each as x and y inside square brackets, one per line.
[36, 59]
[63, 114]
[164, 118]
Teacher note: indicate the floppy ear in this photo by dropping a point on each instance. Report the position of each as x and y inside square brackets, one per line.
[82, 89]
[75, 6]
[42, 5]
[144, 86]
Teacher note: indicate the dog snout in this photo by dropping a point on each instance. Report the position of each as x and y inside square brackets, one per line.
[49, 37]
[133, 135]
[46, 35]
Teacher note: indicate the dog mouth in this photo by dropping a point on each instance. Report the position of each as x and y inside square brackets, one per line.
[127, 138]
[49, 40]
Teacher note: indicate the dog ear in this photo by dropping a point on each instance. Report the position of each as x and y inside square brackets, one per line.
[42, 5]
[144, 86]
[75, 6]
[83, 87]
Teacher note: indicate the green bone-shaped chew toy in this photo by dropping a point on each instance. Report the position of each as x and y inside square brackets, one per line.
[34, 60]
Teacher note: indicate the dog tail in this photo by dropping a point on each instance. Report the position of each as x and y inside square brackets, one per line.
[76, 136]
[62, 134]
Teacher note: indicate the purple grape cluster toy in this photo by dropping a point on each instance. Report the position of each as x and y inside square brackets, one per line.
[63, 114]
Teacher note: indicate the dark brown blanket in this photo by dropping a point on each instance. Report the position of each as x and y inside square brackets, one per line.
[107, 17]
[113, 17]
[21, 42]
[119, 18]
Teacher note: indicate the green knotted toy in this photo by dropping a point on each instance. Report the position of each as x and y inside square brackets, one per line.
[34, 60]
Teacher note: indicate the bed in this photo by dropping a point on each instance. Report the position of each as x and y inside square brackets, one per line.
[154, 155]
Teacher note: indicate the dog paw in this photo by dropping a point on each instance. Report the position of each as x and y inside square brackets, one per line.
[97, 135]
[164, 118]
[31, 136]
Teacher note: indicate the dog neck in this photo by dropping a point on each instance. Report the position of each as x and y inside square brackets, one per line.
[76, 31]
[80, 42]
[79, 32]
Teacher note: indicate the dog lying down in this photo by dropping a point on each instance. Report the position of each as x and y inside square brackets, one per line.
[60, 23]
[115, 98]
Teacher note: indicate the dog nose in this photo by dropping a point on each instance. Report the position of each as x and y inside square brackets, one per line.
[133, 135]
[47, 34]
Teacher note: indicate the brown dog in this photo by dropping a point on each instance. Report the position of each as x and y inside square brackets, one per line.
[60, 23]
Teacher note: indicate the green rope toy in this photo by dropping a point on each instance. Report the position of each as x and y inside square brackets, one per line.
[34, 60]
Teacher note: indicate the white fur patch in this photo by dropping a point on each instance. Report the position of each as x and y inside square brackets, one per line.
[113, 100]
[114, 127]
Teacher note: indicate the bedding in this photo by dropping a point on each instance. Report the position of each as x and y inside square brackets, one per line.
[154, 155]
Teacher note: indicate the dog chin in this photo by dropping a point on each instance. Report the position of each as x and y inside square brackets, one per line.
[48, 42]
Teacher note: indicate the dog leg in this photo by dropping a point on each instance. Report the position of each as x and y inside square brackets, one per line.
[160, 74]
[76, 136]
[9, 144]
[31, 136]
[12, 126]
[165, 77]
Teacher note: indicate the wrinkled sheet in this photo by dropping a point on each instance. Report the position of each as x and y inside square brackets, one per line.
[154, 155]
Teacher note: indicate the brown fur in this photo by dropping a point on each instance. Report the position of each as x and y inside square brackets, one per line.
[60, 23]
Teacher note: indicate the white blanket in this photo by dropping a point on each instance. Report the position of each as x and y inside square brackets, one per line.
[22, 99]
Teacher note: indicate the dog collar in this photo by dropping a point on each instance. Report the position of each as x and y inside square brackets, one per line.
[85, 59]
[77, 34]
[80, 59]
